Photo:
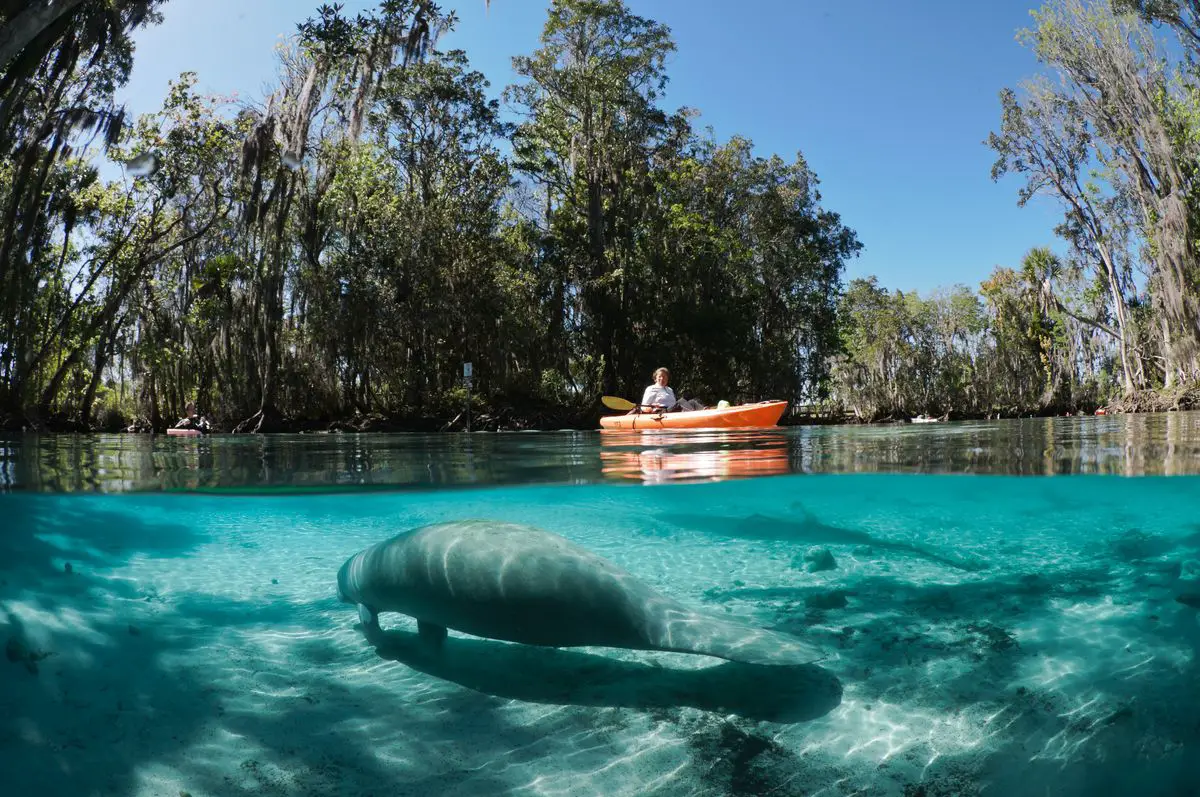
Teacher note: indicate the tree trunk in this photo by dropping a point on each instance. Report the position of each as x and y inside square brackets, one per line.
[103, 347]
[1118, 300]
[19, 31]
[1168, 353]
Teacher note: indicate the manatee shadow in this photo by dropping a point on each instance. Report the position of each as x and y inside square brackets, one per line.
[82, 690]
[1016, 593]
[1191, 540]
[361, 756]
[1135, 546]
[807, 529]
[89, 712]
[44, 537]
[799, 693]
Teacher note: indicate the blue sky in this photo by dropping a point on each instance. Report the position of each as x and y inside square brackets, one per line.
[889, 102]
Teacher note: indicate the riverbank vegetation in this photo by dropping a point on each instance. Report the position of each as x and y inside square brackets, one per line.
[330, 256]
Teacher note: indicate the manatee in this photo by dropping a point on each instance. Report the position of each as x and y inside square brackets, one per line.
[522, 584]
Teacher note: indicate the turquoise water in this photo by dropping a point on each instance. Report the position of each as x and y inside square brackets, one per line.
[172, 625]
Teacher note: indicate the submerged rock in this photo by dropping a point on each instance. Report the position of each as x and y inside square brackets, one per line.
[17, 651]
[744, 761]
[1135, 545]
[1189, 570]
[816, 560]
[992, 638]
[1189, 599]
[1034, 584]
[835, 599]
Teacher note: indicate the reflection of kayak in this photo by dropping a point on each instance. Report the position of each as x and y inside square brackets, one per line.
[173, 432]
[663, 465]
[763, 414]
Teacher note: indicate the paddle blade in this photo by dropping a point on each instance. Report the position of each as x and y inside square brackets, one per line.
[617, 403]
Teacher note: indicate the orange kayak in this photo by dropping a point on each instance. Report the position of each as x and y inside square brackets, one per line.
[761, 415]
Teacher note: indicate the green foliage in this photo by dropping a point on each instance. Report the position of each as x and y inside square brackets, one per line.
[344, 249]
[1016, 347]
[1125, 108]
[660, 245]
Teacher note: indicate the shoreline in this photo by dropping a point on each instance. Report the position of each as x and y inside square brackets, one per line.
[509, 419]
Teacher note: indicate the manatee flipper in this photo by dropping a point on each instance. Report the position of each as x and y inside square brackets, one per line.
[431, 634]
[369, 618]
[691, 632]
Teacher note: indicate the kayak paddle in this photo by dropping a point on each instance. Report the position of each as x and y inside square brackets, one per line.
[618, 403]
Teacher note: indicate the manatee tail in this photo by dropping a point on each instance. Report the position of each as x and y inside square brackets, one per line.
[691, 632]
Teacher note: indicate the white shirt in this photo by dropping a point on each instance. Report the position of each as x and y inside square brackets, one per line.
[663, 396]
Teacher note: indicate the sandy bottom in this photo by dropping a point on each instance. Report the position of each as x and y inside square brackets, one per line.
[986, 636]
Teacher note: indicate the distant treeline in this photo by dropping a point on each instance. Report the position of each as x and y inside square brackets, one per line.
[333, 254]
[1115, 139]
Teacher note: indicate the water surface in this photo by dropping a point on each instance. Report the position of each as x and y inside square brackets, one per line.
[1129, 445]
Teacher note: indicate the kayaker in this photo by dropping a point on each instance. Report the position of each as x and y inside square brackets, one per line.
[662, 398]
[193, 420]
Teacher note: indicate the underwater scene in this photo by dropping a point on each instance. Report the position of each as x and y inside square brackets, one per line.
[1003, 608]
